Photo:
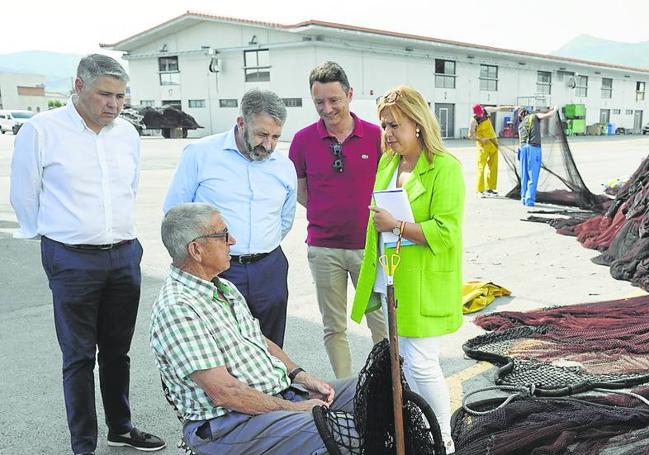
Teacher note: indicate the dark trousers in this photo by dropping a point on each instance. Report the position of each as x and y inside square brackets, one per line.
[96, 295]
[263, 284]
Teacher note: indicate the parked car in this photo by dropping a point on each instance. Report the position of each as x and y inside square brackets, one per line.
[12, 120]
[20, 117]
[6, 122]
[645, 129]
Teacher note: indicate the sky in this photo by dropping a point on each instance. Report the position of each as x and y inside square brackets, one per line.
[74, 26]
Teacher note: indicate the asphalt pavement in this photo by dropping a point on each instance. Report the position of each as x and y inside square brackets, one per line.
[540, 267]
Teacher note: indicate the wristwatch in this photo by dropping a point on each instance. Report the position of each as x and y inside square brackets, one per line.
[397, 230]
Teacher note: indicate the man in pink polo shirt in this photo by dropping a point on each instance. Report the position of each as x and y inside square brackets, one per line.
[335, 159]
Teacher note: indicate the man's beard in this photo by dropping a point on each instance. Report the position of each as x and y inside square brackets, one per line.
[258, 152]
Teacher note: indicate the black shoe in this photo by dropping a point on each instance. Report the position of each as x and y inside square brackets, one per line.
[137, 439]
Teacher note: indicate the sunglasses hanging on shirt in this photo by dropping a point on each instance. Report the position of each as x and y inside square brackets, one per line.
[337, 150]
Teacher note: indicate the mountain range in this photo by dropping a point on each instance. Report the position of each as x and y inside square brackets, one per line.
[60, 68]
[588, 47]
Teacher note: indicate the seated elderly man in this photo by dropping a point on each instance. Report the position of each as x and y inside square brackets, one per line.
[237, 391]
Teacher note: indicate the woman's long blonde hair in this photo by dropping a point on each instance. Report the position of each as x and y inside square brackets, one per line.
[406, 101]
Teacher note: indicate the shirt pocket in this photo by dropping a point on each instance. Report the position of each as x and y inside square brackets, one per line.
[436, 293]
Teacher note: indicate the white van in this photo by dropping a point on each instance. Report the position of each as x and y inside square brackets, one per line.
[12, 120]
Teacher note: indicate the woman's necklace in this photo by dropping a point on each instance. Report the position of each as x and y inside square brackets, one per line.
[404, 166]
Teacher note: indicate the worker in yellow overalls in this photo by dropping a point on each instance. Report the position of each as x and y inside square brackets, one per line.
[482, 130]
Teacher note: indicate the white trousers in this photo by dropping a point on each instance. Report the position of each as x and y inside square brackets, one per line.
[425, 377]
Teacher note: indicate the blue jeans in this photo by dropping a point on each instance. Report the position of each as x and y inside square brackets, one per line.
[530, 156]
[96, 294]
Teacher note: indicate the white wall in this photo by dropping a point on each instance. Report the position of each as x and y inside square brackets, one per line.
[10, 98]
[372, 70]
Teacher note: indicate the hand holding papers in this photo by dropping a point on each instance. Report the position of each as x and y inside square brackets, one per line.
[396, 202]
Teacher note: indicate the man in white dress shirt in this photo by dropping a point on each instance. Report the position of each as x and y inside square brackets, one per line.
[74, 176]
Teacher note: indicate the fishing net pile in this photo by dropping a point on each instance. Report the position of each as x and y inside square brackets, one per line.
[621, 233]
[559, 181]
[167, 117]
[589, 425]
[547, 356]
[370, 430]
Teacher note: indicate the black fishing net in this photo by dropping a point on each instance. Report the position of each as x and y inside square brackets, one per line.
[605, 425]
[621, 233]
[570, 349]
[167, 117]
[559, 181]
[546, 357]
[370, 430]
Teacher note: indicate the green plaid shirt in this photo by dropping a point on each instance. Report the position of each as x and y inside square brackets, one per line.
[193, 329]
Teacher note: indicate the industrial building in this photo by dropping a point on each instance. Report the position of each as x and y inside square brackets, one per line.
[22, 92]
[204, 63]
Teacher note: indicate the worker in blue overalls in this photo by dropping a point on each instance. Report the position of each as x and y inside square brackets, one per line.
[529, 134]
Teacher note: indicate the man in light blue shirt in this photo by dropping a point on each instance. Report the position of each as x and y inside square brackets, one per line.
[255, 189]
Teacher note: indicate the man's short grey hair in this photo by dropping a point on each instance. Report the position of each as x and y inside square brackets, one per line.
[94, 66]
[262, 101]
[329, 72]
[182, 224]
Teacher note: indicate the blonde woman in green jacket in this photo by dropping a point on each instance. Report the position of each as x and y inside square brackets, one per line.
[428, 281]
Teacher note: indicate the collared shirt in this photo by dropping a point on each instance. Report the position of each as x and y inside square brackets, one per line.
[71, 184]
[337, 202]
[257, 198]
[193, 328]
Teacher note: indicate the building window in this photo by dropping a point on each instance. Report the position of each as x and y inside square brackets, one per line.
[488, 78]
[169, 72]
[629, 112]
[292, 102]
[544, 82]
[444, 73]
[639, 91]
[168, 64]
[581, 88]
[256, 65]
[617, 111]
[147, 103]
[196, 103]
[607, 87]
[229, 102]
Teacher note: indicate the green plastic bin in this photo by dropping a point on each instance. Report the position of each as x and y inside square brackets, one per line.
[574, 110]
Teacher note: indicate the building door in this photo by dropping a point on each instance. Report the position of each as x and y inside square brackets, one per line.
[604, 115]
[445, 113]
[637, 120]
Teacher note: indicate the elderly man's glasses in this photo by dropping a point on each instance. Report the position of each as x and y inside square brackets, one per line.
[225, 234]
[337, 150]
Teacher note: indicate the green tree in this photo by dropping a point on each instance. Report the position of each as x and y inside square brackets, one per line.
[52, 104]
